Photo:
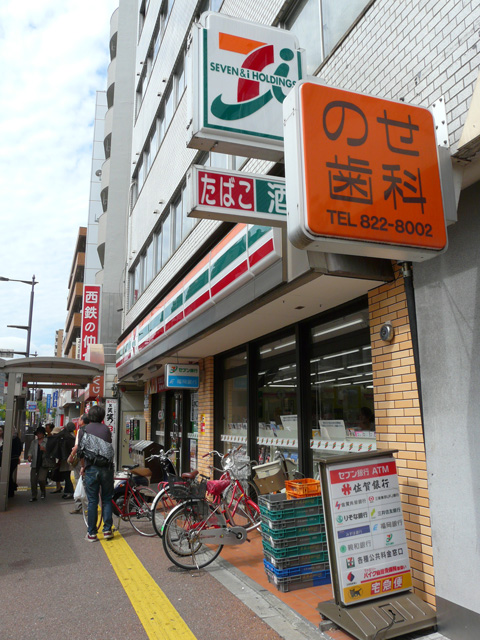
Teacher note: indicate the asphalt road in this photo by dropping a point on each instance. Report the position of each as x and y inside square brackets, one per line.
[56, 585]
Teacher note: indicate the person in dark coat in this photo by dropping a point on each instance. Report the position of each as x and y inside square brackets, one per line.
[59, 446]
[17, 448]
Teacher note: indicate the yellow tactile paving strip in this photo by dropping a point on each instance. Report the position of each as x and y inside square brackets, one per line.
[159, 618]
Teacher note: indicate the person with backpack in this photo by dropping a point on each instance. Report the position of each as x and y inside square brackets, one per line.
[96, 454]
[74, 460]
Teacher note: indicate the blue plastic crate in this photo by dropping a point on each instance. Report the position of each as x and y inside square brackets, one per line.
[304, 581]
[305, 521]
[299, 570]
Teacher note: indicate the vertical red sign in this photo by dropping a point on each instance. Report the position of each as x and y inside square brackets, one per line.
[90, 317]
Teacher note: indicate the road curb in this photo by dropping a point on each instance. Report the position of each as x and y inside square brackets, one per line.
[286, 622]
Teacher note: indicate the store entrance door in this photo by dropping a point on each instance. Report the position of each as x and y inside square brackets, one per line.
[174, 426]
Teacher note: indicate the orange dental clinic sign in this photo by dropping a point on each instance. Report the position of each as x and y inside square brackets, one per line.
[362, 175]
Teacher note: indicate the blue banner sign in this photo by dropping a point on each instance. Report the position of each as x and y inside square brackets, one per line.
[179, 376]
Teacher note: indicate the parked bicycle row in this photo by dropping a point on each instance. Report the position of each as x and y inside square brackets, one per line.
[194, 515]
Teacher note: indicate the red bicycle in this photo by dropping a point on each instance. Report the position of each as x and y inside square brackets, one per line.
[131, 502]
[195, 531]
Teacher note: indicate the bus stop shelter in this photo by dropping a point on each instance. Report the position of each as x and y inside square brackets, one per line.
[48, 372]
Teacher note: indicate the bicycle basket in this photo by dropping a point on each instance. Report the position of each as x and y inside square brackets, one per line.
[198, 489]
[179, 489]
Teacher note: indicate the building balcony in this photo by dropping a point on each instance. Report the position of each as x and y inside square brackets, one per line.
[78, 268]
[111, 74]
[102, 237]
[75, 296]
[114, 22]
[73, 330]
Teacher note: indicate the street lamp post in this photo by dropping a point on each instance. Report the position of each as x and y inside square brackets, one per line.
[27, 328]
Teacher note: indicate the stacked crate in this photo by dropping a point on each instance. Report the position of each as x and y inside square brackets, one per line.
[294, 541]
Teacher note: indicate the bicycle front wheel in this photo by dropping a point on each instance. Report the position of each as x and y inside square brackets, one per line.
[247, 515]
[139, 509]
[182, 531]
[161, 507]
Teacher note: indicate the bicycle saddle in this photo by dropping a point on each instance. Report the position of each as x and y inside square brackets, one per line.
[217, 487]
[190, 475]
[129, 466]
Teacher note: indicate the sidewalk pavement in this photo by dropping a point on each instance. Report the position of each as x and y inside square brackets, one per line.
[55, 584]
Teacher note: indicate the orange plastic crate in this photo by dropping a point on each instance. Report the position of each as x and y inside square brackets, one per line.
[301, 488]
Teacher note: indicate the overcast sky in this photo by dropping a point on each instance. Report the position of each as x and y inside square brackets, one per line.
[53, 59]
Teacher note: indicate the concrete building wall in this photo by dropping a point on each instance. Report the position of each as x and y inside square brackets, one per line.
[447, 293]
[92, 261]
[398, 424]
[413, 51]
[113, 274]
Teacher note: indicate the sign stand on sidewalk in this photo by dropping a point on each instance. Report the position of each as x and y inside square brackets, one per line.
[367, 549]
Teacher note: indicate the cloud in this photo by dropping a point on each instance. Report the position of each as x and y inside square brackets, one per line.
[54, 57]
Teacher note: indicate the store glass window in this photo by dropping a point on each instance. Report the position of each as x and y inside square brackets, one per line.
[342, 379]
[193, 431]
[234, 401]
[320, 24]
[166, 240]
[277, 400]
[305, 23]
[337, 18]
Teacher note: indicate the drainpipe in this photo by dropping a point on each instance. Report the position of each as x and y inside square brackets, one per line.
[412, 317]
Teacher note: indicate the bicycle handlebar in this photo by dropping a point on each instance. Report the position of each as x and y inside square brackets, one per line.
[210, 453]
[162, 455]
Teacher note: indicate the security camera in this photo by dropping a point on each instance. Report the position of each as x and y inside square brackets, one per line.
[387, 332]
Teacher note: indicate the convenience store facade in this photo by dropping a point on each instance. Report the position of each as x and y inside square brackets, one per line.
[252, 320]
[273, 390]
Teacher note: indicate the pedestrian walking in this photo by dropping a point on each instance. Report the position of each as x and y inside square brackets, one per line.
[66, 442]
[38, 471]
[53, 473]
[74, 460]
[16, 452]
[96, 451]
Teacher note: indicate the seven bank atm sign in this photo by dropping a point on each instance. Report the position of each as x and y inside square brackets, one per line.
[242, 73]
[362, 175]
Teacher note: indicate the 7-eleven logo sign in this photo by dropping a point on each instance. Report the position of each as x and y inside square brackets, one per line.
[251, 75]
[245, 72]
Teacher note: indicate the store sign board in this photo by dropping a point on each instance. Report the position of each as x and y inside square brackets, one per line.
[180, 376]
[242, 72]
[370, 546]
[362, 175]
[234, 196]
[90, 317]
[54, 399]
[111, 417]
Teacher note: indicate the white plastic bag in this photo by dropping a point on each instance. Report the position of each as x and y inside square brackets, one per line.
[80, 493]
